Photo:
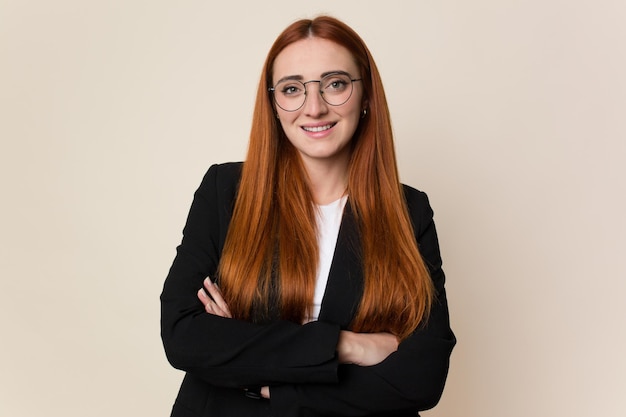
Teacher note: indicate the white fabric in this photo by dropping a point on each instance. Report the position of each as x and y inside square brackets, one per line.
[328, 222]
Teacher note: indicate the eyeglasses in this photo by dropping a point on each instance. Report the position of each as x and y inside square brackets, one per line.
[336, 89]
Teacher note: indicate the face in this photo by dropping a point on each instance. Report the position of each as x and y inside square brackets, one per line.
[319, 131]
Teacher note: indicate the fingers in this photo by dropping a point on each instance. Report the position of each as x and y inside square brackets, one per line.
[211, 306]
[217, 296]
[212, 299]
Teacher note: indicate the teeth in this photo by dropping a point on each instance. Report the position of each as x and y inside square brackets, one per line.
[317, 128]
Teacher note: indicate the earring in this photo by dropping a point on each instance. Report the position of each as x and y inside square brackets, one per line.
[364, 114]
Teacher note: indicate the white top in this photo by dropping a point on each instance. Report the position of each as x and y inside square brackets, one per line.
[328, 222]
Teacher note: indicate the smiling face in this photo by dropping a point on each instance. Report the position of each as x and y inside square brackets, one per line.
[319, 131]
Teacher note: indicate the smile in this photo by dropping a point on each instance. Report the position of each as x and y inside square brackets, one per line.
[318, 128]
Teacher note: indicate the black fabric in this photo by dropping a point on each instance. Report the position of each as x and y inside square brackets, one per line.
[221, 357]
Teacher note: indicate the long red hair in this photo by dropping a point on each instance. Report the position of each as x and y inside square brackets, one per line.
[273, 228]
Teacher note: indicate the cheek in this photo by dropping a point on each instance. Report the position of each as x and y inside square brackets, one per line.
[285, 118]
[353, 113]
[354, 116]
[288, 125]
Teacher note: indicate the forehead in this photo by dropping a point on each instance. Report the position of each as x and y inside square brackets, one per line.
[312, 57]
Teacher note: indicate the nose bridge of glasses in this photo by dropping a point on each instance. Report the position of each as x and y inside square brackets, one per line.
[314, 102]
[319, 85]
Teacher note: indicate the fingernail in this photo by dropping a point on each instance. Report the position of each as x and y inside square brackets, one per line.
[208, 281]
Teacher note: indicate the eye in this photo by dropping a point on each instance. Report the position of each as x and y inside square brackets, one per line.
[290, 89]
[336, 84]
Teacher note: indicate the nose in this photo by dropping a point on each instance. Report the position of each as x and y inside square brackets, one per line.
[314, 104]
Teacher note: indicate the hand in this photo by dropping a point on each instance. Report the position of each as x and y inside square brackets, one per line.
[212, 299]
[365, 349]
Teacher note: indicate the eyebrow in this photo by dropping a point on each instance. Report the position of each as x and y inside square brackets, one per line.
[325, 74]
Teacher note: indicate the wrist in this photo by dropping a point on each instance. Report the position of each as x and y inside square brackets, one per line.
[349, 349]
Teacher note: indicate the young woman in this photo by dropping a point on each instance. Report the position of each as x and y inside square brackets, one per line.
[331, 297]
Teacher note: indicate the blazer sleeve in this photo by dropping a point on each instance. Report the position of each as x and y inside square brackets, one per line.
[229, 352]
[410, 379]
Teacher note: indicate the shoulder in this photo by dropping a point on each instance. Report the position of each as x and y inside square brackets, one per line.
[222, 176]
[225, 173]
[220, 182]
[415, 199]
[418, 206]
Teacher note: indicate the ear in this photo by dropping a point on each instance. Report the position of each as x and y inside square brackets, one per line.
[365, 104]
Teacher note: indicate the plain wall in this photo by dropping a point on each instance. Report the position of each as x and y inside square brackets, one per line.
[509, 114]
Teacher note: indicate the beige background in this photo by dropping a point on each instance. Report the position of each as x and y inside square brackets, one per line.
[510, 114]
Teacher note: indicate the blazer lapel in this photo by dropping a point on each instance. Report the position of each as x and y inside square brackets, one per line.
[345, 280]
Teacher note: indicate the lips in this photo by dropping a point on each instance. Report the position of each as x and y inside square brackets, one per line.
[321, 128]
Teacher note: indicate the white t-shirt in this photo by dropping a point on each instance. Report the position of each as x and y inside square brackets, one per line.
[328, 222]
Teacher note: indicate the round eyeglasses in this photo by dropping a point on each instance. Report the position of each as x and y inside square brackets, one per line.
[336, 89]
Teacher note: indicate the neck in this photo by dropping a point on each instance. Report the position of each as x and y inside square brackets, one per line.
[328, 181]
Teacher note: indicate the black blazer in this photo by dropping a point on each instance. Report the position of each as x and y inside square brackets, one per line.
[221, 357]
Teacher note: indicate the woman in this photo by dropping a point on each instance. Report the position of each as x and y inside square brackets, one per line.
[331, 296]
